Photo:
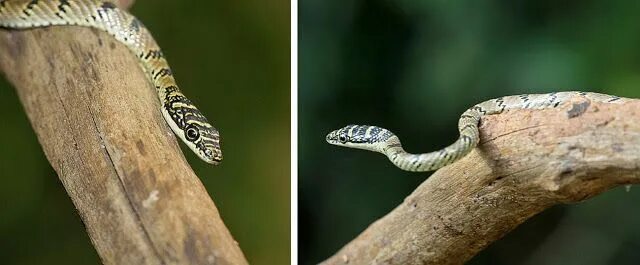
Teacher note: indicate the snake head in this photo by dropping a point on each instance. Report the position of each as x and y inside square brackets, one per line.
[204, 140]
[372, 138]
[192, 128]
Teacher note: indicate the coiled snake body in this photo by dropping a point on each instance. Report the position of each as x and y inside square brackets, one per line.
[183, 117]
[381, 140]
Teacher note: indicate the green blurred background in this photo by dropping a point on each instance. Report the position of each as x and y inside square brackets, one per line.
[232, 59]
[414, 66]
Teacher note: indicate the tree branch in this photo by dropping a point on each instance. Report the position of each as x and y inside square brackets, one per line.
[97, 118]
[528, 160]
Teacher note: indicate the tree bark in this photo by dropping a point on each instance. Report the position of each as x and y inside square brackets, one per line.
[98, 120]
[527, 161]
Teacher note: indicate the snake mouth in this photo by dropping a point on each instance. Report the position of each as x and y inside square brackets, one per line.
[216, 160]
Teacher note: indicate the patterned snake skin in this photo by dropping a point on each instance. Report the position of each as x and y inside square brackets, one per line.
[183, 117]
[381, 140]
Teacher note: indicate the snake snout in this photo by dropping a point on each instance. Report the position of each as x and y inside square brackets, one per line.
[216, 162]
[332, 137]
[213, 157]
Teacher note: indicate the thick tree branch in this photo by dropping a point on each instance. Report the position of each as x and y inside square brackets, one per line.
[97, 118]
[527, 161]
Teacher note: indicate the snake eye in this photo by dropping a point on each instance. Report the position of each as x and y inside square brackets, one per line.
[192, 134]
[343, 138]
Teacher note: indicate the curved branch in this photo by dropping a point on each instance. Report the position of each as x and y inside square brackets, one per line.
[527, 161]
[97, 118]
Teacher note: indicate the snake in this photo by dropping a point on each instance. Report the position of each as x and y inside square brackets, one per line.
[184, 119]
[381, 140]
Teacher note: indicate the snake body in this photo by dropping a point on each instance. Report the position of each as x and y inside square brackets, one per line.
[381, 140]
[186, 121]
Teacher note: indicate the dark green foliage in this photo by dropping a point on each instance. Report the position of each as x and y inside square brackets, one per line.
[414, 66]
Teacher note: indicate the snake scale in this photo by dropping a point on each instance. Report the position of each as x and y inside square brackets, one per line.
[186, 121]
[377, 139]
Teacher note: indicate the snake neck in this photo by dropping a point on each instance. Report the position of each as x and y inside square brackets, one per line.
[469, 138]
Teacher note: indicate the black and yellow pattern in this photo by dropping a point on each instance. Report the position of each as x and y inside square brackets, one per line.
[183, 117]
[381, 140]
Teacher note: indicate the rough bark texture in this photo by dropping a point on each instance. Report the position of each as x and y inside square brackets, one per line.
[97, 118]
[527, 161]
